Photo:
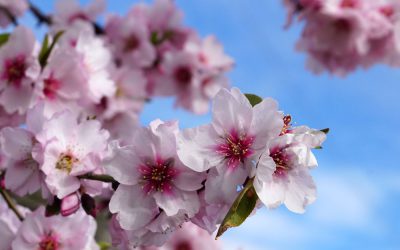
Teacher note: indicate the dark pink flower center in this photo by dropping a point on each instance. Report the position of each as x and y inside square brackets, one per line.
[49, 242]
[183, 245]
[78, 16]
[349, 3]
[343, 26]
[51, 85]
[15, 70]
[282, 160]
[183, 75]
[236, 148]
[131, 43]
[158, 176]
[387, 11]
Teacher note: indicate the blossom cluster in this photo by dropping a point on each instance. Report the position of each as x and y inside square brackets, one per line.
[71, 143]
[340, 36]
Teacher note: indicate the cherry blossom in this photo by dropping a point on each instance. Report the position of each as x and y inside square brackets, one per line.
[282, 172]
[152, 177]
[71, 136]
[69, 11]
[340, 36]
[19, 71]
[71, 149]
[56, 232]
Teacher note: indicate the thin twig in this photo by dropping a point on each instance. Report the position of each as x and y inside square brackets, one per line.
[10, 15]
[11, 204]
[40, 16]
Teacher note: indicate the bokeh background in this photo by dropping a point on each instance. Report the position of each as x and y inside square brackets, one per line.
[358, 178]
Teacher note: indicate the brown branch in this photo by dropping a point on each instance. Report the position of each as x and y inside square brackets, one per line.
[10, 15]
[40, 16]
[11, 204]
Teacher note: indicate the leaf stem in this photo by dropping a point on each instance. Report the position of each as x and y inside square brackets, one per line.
[98, 177]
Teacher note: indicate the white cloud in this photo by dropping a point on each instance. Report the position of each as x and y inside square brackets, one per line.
[349, 202]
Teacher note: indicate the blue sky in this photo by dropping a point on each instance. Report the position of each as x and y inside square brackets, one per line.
[358, 178]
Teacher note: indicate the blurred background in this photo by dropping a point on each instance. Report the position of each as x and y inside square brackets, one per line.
[358, 178]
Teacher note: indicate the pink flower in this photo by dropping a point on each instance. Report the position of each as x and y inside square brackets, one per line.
[182, 75]
[10, 120]
[128, 239]
[237, 134]
[23, 175]
[19, 70]
[122, 127]
[16, 8]
[164, 16]
[19, 149]
[130, 94]
[69, 11]
[70, 204]
[152, 177]
[94, 61]
[191, 237]
[56, 232]
[71, 149]
[210, 53]
[282, 172]
[129, 38]
[341, 35]
[210, 215]
[62, 83]
[9, 224]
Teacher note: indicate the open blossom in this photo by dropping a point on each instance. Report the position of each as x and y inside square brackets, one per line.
[93, 58]
[152, 177]
[183, 75]
[343, 35]
[69, 11]
[19, 150]
[130, 94]
[210, 53]
[70, 149]
[210, 215]
[236, 136]
[282, 172]
[16, 8]
[129, 38]
[56, 232]
[19, 68]
[62, 83]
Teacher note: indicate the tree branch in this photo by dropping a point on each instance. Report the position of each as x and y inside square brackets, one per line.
[10, 15]
[11, 203]
[40, 16]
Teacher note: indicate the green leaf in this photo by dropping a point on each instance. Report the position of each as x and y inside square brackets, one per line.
[45, 46]
[4, 38]
[43, 57]
[253, 99]
[318, 147]
[325, 130]
[240, 209]
[104, 245]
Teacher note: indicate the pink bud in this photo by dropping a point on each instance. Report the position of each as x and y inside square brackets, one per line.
[70, 204]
